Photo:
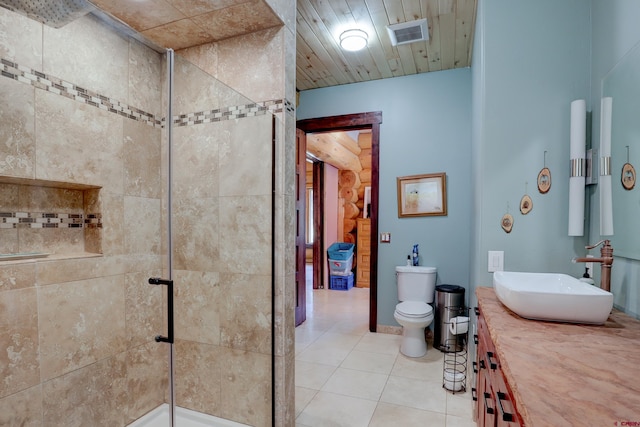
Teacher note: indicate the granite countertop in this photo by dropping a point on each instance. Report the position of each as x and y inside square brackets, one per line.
[565, 374]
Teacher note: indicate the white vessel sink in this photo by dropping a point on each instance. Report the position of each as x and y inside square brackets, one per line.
[553, 297]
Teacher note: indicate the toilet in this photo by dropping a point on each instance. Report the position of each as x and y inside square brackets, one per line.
[416, 289]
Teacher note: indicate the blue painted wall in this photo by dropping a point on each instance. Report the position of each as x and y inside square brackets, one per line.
[426, 129]
[615, 32]
[531, 59]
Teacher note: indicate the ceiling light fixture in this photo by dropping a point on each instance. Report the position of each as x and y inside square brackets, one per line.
[353, 40]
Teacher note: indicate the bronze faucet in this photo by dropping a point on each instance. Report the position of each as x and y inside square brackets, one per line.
[605, 260]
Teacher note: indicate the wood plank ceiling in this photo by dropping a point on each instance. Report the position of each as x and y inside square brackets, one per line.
[321, 62]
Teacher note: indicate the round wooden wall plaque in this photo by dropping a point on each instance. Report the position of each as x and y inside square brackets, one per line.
[526, 204]
[628, 177]
[507, 223]
[544, 180]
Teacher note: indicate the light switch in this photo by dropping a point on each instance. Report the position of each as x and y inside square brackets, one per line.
[496, 261]
[385, 237]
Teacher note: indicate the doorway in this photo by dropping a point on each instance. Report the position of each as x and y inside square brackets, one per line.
[361, 121]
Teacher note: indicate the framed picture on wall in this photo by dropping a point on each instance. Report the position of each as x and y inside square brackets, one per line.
[422, 195]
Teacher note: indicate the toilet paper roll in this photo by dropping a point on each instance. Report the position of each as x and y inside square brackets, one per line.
[459, 325]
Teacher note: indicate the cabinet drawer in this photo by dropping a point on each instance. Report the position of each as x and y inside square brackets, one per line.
[486, 402]
[495, 403]
[505, 408]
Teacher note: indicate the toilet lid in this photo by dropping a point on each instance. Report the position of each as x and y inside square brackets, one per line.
[414, 308]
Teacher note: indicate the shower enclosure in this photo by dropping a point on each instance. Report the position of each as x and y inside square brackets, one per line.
[221, 215]
[119, 164]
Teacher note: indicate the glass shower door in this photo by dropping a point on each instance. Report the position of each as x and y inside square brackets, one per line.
[222, 237]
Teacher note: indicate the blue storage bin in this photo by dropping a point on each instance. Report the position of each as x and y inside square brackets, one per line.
[340, 251]
[341, 283]
[340, 267]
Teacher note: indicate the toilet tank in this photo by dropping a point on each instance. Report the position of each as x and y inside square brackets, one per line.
[416, 283]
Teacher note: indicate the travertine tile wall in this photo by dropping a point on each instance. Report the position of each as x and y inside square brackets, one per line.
[222, 222]
[77, 333]
[262, 66]
[227, 335]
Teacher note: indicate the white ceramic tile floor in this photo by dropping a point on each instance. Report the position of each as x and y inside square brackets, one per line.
[347, 376]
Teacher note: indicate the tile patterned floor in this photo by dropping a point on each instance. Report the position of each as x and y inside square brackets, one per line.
[347, 376]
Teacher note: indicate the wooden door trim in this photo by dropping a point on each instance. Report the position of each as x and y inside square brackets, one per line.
[369, 120]
[318, 225]
[301, 191]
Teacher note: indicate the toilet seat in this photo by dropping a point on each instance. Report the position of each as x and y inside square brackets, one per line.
[414, 309]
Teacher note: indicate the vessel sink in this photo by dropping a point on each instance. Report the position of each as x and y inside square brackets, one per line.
[553, 297]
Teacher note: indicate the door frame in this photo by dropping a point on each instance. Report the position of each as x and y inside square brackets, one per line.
[301, 235]
[318, 210]
[370, 120]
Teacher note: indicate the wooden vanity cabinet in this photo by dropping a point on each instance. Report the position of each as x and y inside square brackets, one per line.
[495, 406]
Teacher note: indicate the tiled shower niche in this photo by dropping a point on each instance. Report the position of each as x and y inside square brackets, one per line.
[47, 217]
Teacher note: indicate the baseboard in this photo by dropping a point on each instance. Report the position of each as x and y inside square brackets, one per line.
[386, 329]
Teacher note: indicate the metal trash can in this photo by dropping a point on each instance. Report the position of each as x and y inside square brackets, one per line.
[449, 304]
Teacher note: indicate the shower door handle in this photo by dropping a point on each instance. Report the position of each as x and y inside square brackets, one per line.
[169, 284]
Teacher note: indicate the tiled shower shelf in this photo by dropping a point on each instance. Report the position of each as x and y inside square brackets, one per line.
[43, 220]
[22, 255]
[25, 257]
[45, 183]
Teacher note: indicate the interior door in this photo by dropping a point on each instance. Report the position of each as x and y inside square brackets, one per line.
[301, 185]
[370, 120]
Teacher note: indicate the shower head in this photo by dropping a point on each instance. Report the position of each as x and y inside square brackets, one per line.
[55, 14]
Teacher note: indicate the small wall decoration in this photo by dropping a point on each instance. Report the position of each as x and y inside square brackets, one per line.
[628, 177]
[544, 177]
[507, 223]
[422, 195]
[526, 204]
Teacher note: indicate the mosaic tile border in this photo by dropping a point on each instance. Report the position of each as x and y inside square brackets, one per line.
[49, 220]
[69, 90]
[229, 113]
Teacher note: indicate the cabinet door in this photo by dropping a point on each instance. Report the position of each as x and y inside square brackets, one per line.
[475, 389]
[485, 405]
[495, 406]
[505, 409]
[486, 402]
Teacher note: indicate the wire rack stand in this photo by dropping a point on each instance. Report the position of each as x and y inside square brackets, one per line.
[454, 372]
